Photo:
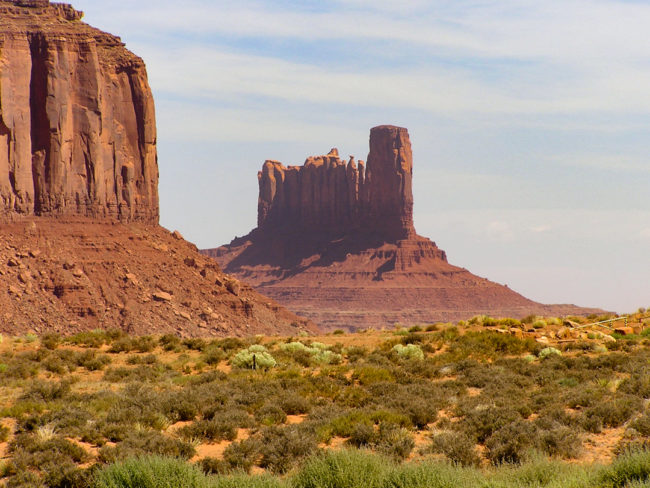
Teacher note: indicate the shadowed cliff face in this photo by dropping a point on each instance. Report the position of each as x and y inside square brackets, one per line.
[332, 196]
[77, 121]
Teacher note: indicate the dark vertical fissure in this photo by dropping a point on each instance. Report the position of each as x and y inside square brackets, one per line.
[40, 127]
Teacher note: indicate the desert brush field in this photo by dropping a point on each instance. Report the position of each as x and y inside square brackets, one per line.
[473, 404]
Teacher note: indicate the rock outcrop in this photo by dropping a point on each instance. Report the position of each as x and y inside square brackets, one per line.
[77, 120]
[80, 247]
[336, 243]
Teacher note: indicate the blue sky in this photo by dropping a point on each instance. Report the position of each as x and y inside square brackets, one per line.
[530, 122]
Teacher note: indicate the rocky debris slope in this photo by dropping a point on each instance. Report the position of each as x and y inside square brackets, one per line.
[77, 121]
[81, 274]
[335, 242]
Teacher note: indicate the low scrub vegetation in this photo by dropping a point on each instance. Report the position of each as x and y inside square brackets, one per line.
[468, 405]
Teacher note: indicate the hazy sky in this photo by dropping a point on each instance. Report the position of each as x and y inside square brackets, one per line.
[529, 120]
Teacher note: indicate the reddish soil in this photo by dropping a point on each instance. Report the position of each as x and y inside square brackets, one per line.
[80, 274]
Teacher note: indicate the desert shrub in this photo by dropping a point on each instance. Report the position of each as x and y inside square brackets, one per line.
[489, 344]
[242, 455]
[412, 338]
[4, 433]
[170, 342]
[483, 421]
[46, 391]
[94, 339]
[230, 344]
[344, 468]
[614, 412]
[642, 424]
[146, 442]
[394, 441]
[246, 359]
[212, 355]
[128, 344]
[539, 324]
[142, 373]
[629, 467]
[51, 340]
[282, 448]
[411, 351]
[638, 384]
[355, 353]
[91, 360]
[363, 435]
[456, 447]
[367, 375]
[511, 442]
[53, 457]
[315, 353]
[208, 430]
[150, 472]
[294, 404]
[270, 415]
[326, 357]
[548, 351]
[211, 465]
[559, 441]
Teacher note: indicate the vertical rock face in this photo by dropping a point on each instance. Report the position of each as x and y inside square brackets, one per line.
[77, 121]
[389, 181]
[328, 194]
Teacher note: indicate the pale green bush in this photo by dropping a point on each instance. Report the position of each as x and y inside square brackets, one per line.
[548, 351]
[410, 351]
[244, 359]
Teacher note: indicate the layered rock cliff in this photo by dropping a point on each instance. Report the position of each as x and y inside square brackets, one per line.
[336, 243]
[77, 121]
[328, 194]
[80, 247]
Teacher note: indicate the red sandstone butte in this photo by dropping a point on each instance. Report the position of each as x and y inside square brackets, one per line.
[77, 122]
[335, 243]
[80, 244]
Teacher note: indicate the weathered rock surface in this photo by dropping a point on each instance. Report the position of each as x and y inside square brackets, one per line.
[79, 274]
[336, 243]
[328, 194]
[77, 121]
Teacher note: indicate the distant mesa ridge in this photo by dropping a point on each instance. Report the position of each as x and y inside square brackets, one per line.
[336, 243]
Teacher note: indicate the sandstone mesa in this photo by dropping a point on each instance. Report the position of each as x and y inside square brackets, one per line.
[336, 243]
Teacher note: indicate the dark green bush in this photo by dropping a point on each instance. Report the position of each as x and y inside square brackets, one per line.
[456, 447]
[283, 448]
[145, 443]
